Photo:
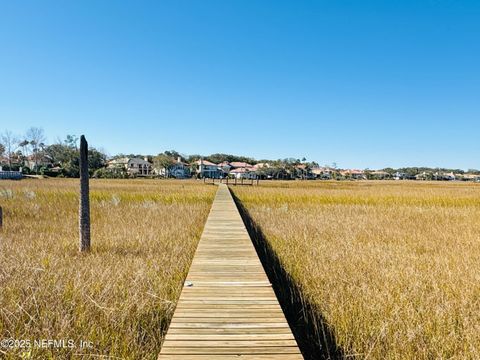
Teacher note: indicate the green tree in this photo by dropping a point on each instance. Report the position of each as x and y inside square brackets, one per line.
[163, 162]
[71, 141]
[66, 154]
[368, 174]
[173, 154]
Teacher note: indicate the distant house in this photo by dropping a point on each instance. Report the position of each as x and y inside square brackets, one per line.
[207, 169]
[423, 176]
[225, 166]
[240, 164]
[4, 163]
[471, 177]
[323, 173]
[179, 170]
[354, 174]
[3, 160]
[133, 166]
[379, 175]
[242, 170]
[243, 173]
[449, 176]
[39, 161]
[444, 176]
[303, 171]
[401, 176]
[261, 166]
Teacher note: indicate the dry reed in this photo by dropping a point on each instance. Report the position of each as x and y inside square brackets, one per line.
[393, 267]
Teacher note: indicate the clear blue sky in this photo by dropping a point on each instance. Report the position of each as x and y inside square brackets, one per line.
[360, 83]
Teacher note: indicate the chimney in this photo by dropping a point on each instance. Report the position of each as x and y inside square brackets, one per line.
[145, 158]
[179, 159]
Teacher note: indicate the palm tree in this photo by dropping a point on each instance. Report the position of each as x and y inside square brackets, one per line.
[24, 145]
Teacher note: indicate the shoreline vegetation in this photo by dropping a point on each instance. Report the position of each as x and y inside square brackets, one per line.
[31, 155]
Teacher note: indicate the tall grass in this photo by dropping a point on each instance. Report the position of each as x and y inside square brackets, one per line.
[120, 296]
[393, 267]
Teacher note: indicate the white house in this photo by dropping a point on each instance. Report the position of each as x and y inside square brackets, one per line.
[242, 170]
[471, 177]
[207, 169]
[243, 173]
[133, 166]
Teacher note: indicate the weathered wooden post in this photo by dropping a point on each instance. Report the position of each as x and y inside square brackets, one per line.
[1, 217]
[84, 207]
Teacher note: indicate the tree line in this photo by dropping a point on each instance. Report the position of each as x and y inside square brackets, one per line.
[29, 150]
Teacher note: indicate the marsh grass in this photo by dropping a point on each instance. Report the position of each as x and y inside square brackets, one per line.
[392, 267]
[121, 295]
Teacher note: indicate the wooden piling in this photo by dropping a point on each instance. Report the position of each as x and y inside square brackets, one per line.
[84, 206]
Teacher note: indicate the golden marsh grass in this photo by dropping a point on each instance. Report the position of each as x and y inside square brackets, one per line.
[393, 267]
[121, 295]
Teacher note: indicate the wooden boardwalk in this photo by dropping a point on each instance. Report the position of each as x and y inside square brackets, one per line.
[227, 309]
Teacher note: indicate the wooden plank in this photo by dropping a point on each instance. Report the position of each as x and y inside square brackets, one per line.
[222, 307]
[228, 343]
[230, 337]
[231, 357]
[220, 313]
[229, 302]
[226, 331]
[252, 320]
[227, 325]
[228, 309]
[232, 350]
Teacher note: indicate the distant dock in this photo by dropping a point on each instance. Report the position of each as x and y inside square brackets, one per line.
[10, 175]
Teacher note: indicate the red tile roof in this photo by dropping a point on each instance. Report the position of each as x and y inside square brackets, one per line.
[239, 170]
[205, 162]
[239, 164]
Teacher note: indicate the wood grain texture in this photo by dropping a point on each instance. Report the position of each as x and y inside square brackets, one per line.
[227, 309]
